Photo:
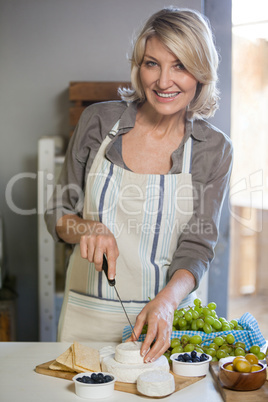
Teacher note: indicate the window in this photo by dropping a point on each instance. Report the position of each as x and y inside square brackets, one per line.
[249, 183]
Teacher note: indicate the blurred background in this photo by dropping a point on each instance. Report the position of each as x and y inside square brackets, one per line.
[248, 290]
[46, 45]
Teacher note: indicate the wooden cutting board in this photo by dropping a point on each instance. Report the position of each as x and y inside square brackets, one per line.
[259, 395]
[180, 382]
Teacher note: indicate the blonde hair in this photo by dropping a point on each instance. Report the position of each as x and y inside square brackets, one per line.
[187, 34]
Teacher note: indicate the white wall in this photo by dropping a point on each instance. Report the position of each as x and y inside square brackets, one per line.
[45, 44]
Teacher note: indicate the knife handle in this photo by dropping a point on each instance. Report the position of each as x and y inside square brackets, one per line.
[105, 269]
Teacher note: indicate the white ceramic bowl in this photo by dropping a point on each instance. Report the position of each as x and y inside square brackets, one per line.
[197, 369]
[93, 391]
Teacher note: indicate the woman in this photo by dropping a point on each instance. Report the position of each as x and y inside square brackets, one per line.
[143, 182]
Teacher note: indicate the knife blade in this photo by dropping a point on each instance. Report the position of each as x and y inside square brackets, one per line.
[112, 283]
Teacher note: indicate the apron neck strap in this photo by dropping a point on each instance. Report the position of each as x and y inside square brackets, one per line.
[187, 156]
[115, 128]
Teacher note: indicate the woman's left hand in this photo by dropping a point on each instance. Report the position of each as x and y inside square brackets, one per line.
[158, 314]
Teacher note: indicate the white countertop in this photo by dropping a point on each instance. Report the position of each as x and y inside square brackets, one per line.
[20, 383]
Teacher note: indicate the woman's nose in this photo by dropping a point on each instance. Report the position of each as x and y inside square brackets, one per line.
[165, 79]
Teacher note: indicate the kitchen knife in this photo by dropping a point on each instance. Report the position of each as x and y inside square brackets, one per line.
[112, 283]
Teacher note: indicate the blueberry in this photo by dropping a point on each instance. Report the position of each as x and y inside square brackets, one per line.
[84, 379]
[108, 378]
[192, 357]
[89, 380]
[94, 376]
[193, 354]
[187, 357]
[100, 380]
[203, 357]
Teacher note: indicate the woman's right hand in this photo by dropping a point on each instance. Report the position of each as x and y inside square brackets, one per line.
[97, 242]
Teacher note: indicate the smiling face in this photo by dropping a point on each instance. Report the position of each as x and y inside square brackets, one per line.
[168, 87]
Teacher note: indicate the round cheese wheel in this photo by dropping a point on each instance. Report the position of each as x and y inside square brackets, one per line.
[130, 372]
[156, 383]
[129, 353]
[106, 351]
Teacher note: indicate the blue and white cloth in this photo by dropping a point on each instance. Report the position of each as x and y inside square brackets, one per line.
[250, 335]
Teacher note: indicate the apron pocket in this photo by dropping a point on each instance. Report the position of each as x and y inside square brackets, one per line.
[89, 318]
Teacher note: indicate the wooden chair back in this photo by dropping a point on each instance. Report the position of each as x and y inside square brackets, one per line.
[83, 94]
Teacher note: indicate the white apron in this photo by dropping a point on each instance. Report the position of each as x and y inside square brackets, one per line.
[146, 213]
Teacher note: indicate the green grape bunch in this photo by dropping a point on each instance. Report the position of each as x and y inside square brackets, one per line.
[218, 348]
[202, 318]
[205, 319]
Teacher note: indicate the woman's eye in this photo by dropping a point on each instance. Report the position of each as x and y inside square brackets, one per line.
[151, 63]
[180, 66]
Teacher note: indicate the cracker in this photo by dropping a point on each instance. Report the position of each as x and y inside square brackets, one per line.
[58, 366]
[85, 358]
[66, 358]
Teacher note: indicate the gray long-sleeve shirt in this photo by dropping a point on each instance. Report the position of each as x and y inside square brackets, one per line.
[211, 169]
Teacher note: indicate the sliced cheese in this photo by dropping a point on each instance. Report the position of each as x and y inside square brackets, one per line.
[130, 372]
[129, 353]
[156, 383]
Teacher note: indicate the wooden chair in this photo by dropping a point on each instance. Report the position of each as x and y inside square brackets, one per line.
[83, 94]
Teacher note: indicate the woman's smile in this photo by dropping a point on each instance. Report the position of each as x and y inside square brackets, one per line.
[166, 96]
[168, 86]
